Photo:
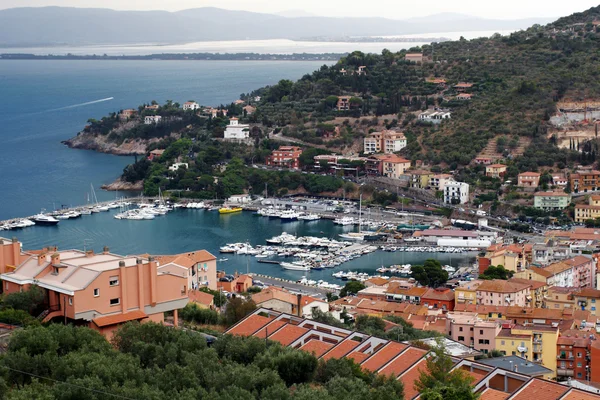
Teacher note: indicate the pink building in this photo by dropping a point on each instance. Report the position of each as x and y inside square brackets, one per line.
[584, 271]
[499, 292]
[468, 329]
[10, 254]
[103, 290]
[200, 267]
[528, 179]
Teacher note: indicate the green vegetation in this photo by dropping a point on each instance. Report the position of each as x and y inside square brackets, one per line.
[351, 287]
[429, 274]
[498, 272]
[440, 382]
[151, 361]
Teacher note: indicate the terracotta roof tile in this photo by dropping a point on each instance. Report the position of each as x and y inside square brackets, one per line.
[493, 394]
[551, 269]
[403, 361]
[438, 294]
[272, 293]
[249, 325]
[317, 347]
[502, 286]
[589, 292]
[270, 328]
[341, 349]
[119, 318]
[357, 356]
[576, 394]
[410, 377]
[540, 390]
[200, 297]
[383, 356]
[288, 334]
[378, 281]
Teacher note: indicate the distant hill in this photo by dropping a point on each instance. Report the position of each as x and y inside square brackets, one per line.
[81, 26]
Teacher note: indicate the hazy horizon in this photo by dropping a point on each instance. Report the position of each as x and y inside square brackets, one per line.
[508, 9]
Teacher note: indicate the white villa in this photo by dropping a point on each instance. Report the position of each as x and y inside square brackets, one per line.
[152, 119]
[191, 105]
[433, 116]
[236, 131]
[176, 166]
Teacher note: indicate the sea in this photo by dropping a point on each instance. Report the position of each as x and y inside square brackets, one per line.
[45, 102]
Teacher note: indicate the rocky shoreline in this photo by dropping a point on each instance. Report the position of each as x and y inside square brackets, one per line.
[120, 185]
[100, 143]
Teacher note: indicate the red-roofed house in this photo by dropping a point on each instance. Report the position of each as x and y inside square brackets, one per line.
[440, 298]
[528, 179]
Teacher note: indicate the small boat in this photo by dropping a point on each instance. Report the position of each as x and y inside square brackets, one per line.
[229, 210]
[43, 219]
[288, 215]
[344, 221]
[309, 217]
[295, 266]
[223, 259]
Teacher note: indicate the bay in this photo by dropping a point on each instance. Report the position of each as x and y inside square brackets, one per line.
[45, 102]
[189, 229]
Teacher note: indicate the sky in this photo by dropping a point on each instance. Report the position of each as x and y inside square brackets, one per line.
[396, 9]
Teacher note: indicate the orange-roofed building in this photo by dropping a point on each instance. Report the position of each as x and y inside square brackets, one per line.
[11, 255]
[503, 293]
[202, 299]
[573, 354]
[285, 156]
[539, 390]
[410, 376]
[87, 287]
[439, 298]
[283, 301]
[528, 179]
[200, 267]
[495, 170]
[493, 394]
[316, 347]
[383, 356]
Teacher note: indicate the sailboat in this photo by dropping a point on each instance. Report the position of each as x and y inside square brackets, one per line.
[97, 207]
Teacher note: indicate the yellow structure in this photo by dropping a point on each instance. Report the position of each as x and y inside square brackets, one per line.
[229, 210]
[495, 170]
[465, 293]
[559, 298]
[588, 300]
[537, 343]
[591, 210]
[420, 179]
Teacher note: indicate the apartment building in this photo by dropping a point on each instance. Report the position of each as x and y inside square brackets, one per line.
[394, 166]
[201, 267]
[504, 293]
[103, 290]
[528, 179]
[585, 180]
[573, 356]
[591, 210]
[466, 292]
[285, 156]
[468, 329]
[387, 142]
[551, 201]
[495, 170]
[456, 193]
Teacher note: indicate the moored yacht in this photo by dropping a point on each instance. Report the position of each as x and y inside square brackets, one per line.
[43, 219]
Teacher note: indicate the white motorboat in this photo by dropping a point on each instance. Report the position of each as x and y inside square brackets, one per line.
[309, 217]
[355, 236]
[295, 266]
[43, 219]
[288, 215]
[344, 221]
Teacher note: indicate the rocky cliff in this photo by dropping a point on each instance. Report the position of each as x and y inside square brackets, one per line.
[101, 143]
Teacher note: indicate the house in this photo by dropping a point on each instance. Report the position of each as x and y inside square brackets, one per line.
[152, 107]
[585, 180]
[384, 142]
[528, 179]
[559, 298]
[467, 328]
[127, 114]
[402, 294]
[11, 254]
[175, 167]
[504, 293]
[438, 299]
[214, 112]
[280, 299]
[591, 210]
[285, 156]
[587, 299]
[438, 181]
[551, 201]
[584, 271]
[573, 352]
[361, 70]
[440, 82]
[420, 178]
[414, 57]
[520, 364]
[456, 193]
[201, 299]
[465, 292]
[484, 160]
[534, 342]
[556, 274]
[348, 165]
[559, 180]
[152, 119]
[464, 96]
[236, 131]
[156, 153]
[495, 170]
[511, 257]
[343, 103]
[239, 102]
[249, 110]
[257, 98]
[201, 267]
[233, 283]
[404, 361]
[101, 290]
[434, 116]
[394, 166]
[239, 199]
[463, 86]
[191, 105]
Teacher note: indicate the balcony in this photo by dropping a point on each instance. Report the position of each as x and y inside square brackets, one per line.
[565, 372]
[537, 349]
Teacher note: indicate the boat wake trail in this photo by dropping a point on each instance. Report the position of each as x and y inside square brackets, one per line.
[83, 104]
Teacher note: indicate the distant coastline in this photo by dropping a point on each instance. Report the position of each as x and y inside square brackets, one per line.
[183, 56]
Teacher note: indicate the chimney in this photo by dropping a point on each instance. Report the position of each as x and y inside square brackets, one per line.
[89, 253]
[140, 272]
[55, 259]
[299, 303]
[121, 264]
[41, 259]
[153, 275]
[16, 250]
[105, 250]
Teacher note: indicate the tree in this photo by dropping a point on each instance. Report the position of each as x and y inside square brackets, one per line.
[429, 274]
[30, 300]
[352, 287]
[236, 309]
[498, 272]
[439, 382]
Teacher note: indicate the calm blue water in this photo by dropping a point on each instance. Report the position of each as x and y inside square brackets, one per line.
[42, 103]
[185, 230]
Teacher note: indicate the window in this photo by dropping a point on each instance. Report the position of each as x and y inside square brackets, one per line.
[460, 329]
[502, 342]
[461, 338]
[96, 292]
[114, 302]
[593, 300]
[578, 355]
[578, 365]
[480, 341]
[486, 341]
[70, 301]
[579, 374]
[481, 331]
[113, 281]
[205, 267]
